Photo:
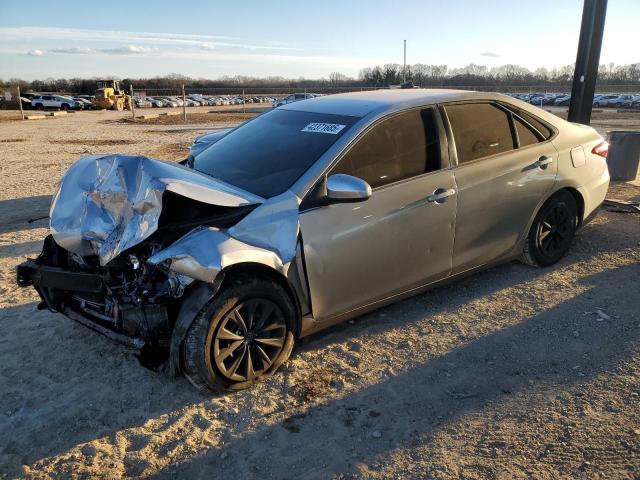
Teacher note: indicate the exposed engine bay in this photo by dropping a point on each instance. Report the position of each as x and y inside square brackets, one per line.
[129, 295]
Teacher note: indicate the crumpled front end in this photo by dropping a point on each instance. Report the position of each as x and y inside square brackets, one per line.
[132, 236]
[107, 204]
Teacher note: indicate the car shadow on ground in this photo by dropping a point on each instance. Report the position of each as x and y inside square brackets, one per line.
[24, 249]
[541, 352]
[15, 213]
[79, 371]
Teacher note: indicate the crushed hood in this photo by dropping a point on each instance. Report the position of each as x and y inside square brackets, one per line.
[107, 204]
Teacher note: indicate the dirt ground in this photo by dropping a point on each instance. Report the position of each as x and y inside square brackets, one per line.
[516, 372]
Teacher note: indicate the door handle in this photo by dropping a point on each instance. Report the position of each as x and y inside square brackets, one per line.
[440, 195]
[543, 161]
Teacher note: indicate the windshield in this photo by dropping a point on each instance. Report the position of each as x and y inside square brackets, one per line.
[268, 154]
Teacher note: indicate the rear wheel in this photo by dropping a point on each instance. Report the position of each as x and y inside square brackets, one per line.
[64, 107]
[552, 231]
[242, 336]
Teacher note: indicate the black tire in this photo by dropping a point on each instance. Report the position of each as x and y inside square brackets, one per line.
[39, 106]
[552, 231]
[208, 340]
[596, 105]
[64, 107]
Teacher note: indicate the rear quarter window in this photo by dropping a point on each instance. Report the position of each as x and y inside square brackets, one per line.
[526, 136]
[545, 132]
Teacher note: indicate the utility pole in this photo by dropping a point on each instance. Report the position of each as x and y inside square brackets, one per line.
[587, 59]
[404, 67]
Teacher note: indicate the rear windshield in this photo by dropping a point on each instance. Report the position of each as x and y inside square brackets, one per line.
[268, 154]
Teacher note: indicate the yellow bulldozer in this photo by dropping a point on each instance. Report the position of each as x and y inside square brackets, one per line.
[110, 96]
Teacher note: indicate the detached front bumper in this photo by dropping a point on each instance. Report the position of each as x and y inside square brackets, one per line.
[30, 274]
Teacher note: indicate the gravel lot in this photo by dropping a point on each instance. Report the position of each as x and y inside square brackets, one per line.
[516, 372]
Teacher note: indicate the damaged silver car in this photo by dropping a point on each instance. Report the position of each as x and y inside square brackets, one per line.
[307, 215]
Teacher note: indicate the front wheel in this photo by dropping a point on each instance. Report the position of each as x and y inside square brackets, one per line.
[552, 230]
[242, 336]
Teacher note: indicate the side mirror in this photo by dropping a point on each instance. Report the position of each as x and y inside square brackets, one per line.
[343, 188]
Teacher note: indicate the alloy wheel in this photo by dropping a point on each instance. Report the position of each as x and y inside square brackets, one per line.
[555, 231]
[249, 339]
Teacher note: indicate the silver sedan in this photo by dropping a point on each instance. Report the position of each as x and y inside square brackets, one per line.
[308, 215]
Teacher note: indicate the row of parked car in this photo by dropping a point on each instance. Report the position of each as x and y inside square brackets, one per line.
[83, 102]
[57, 102]
[197, 100]
[562, 99]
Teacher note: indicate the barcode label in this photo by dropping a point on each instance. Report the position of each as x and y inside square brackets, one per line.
[331, 128]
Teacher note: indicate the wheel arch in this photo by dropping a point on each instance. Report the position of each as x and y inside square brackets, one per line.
[200, 293]
[576, 195]
[253, 269]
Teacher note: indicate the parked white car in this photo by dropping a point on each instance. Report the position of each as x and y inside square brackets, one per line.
[41, 102]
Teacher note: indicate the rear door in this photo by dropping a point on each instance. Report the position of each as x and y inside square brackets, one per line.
[506, 165]
[398, 239]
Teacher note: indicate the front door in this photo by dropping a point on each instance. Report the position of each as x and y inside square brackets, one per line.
[398, 239]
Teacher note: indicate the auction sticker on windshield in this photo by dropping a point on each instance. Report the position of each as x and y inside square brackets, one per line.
[331, 128]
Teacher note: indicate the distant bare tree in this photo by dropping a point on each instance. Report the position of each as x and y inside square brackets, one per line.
[376, 76]
[336, 79]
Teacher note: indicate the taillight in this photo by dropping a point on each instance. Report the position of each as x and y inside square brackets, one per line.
[601, 149]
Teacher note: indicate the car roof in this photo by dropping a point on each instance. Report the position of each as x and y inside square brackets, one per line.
[360, 104]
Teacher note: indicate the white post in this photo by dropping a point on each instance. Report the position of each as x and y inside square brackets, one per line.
[20, 102]
[184, 105]
[133, 104]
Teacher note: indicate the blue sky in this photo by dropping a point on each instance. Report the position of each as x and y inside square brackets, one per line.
[209, 39]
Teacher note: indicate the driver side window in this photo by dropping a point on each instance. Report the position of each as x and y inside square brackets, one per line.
[403, 146]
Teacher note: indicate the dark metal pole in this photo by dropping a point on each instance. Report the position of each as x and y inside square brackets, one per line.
[587, 59]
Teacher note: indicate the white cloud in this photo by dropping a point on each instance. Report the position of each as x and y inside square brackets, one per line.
[176, 39]
[71, 51]
[35, 53]
[207, 46]
[490, 54]
[128, 50]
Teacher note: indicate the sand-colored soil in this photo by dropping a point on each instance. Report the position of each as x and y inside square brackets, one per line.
[516, 372]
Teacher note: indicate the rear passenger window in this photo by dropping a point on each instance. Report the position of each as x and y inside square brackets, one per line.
[479, 130]
[403, 146]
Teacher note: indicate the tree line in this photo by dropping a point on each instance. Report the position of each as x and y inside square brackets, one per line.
[378, 76]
